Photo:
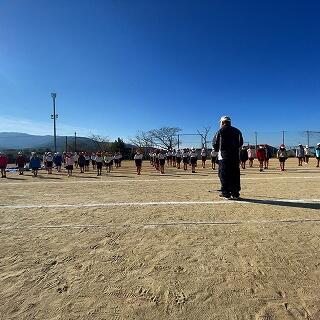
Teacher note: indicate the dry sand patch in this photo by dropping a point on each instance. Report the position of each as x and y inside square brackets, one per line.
[237, 260]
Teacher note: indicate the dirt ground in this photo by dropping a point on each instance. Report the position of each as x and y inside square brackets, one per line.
[123, 246]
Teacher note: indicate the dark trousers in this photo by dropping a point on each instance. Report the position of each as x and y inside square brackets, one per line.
[229, 174]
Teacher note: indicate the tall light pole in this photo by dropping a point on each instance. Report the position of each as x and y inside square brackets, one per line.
[54, 116]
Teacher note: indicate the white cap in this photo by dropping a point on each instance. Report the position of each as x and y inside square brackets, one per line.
[225, 118]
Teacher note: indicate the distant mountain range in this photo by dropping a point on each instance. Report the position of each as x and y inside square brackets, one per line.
[17, 140]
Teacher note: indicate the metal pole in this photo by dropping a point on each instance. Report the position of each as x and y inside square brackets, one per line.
[256, 137]
[75, 142]
[66, 143]
[54, 116]
[178, 141]
[308, 137]
[283, 137]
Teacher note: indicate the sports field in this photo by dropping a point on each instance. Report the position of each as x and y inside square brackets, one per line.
[123, 246]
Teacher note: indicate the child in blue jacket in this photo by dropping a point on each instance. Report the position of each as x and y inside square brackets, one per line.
[34, 164]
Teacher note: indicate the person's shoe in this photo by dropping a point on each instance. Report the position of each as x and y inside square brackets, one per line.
[236, 197]
[261, 170]
[221, 195]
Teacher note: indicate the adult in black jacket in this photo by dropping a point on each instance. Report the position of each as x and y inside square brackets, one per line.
[227, 142]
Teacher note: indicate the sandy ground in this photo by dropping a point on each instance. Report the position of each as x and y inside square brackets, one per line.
[156, 246]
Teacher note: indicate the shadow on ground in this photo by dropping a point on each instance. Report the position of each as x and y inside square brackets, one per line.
[283, 203]
[48, 178]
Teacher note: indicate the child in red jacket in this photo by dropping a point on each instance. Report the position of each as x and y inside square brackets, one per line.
[261, 156]
[3, 164]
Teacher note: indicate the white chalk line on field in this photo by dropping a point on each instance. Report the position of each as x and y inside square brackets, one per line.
[149, 180]
[161, 224]
[160, 203]
[112, 204]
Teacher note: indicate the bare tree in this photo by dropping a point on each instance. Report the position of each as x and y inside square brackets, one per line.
[164, 137]
[101, 141]
[204, 134]
[142, 139]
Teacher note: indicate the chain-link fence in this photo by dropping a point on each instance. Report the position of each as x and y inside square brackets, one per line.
[288, 138]
[291, 139]
[189, 140]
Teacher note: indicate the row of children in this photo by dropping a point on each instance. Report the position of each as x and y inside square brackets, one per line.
[263, 154]
[282, 154]
[84, 159]
[158, 159]
[50, 160]
[187, 156]
[174, 158]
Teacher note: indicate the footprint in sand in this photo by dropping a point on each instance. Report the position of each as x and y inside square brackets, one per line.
[180, 298]
[49, 265]
[147, 294]
[283, 311]
[63, 289]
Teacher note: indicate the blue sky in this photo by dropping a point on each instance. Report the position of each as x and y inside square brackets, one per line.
[123, 66]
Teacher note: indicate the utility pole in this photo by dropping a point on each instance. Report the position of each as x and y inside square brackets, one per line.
[256, 138]
[308, 137]
[178, 141]
[75, 141]
[54, 116]
[283, 137]
[66, 143]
